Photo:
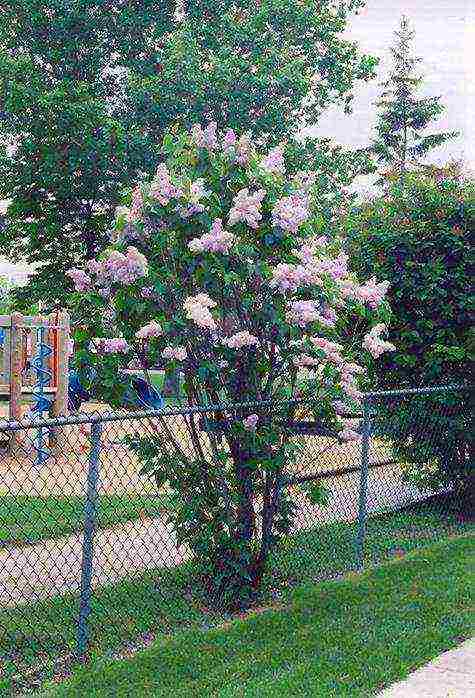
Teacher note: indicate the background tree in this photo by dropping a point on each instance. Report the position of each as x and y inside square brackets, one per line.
[86, 86]
[401, 139]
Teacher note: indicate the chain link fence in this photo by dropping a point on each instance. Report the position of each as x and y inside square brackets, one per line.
[91, 557]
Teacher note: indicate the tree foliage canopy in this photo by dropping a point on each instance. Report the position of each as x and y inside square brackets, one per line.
[86, 87]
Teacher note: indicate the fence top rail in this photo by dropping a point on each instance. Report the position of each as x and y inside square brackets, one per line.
[95, 417]
[417, 391]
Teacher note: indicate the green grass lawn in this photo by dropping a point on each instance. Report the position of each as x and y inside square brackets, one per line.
[340, 638]
[27, 520]
[164, 601]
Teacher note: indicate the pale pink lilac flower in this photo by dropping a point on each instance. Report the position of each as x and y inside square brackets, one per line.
[340, 407]
[193, 204]
[373, 343]
[290, 277]
[250, 422]
[328, 316]
[247, 208]
[371, 292]
[175, 353]
[217, 240]
[244, 149]
[202, 299]
[125, 269]
[303, 312]
[135, 212]
[197, 310]
[290, 212]
[273, 162]
[205, 137]
[82, 281]
[229, 139]
[240, 340]
[332, 350]
[147, 292]
[162, 188]
[337, 268]
[149, 331]
[350, 388]
[116, 345]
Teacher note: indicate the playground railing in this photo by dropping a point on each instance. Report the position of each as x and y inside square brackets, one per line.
[90, 556]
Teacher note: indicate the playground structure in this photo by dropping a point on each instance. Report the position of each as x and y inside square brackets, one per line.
[34, 367]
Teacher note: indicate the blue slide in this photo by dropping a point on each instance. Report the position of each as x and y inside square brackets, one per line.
[141, 394]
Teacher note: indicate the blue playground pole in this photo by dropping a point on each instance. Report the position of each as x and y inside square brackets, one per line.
[41, 402]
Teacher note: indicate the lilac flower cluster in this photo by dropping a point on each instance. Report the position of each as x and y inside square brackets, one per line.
[205, 137]
[290, 277]
[290, 212]
[348, 370]
[240, 340]
[217, 240]
[175, 353]
[120, 268]
[82, 281]
[197, 309]
[305, 361]
[373, 343]
[116, 345]
[193, 204]
[151, 330]
[303, 312]
[247, 208]
[273, 162]
[371, 292]
[116, 268]
[162, 188]
[336, 267]
[136, 205]
[250, 423]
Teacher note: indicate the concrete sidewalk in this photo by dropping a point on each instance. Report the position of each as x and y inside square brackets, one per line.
[451, 675]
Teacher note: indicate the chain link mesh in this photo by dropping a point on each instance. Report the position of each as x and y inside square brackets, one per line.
[89, 554]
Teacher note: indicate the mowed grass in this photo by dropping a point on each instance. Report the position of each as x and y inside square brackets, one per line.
[350, 637]
[27, 519]
[164, 601]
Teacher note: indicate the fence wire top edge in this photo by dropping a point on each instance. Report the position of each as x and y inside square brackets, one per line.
[95, 417]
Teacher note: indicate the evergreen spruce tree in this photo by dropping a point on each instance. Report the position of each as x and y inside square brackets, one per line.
[402, 141]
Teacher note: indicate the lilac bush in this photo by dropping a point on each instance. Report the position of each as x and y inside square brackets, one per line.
[219, 268]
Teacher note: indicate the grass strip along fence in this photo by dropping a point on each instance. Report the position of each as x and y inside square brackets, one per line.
[36, 639]
[350, 638]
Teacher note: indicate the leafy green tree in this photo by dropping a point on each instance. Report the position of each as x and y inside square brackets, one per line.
[86, 86]
[401, 139]
[417, 236]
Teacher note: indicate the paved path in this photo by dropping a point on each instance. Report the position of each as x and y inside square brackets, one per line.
[452, 675]
[53, 567]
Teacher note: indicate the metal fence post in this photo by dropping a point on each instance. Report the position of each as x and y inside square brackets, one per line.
[363, 495]
[90, 511]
